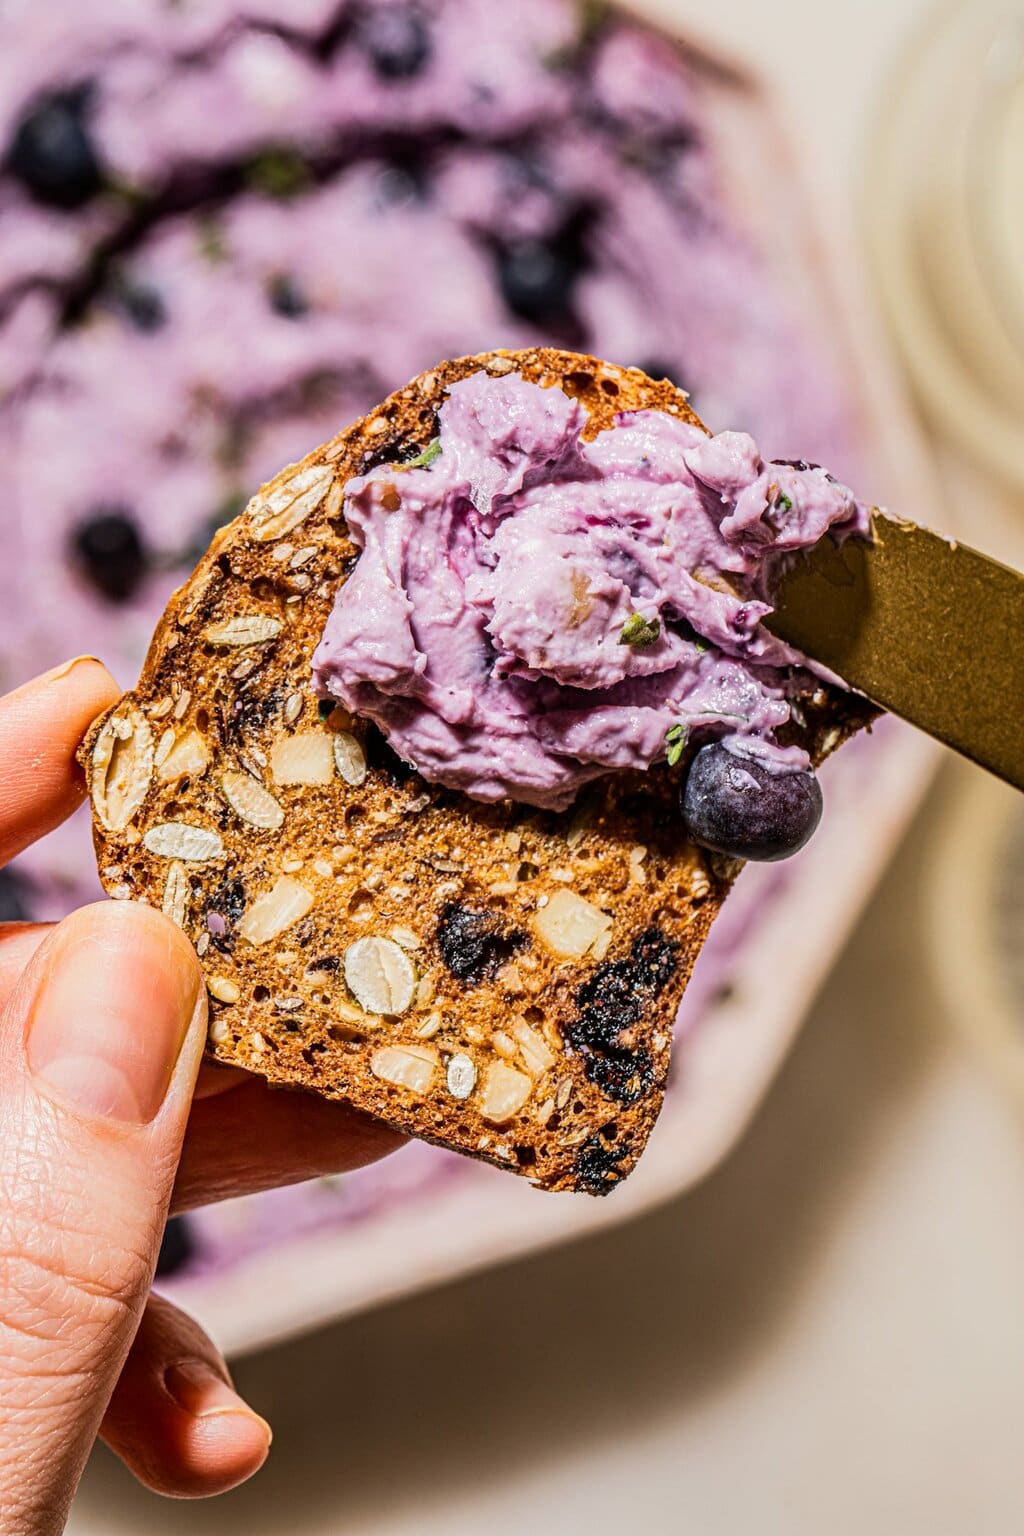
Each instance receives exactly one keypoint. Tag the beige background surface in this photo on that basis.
(826, 1337)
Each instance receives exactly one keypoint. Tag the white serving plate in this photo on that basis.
(427, 1216)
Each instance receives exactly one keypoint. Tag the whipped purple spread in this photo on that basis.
(531, 610)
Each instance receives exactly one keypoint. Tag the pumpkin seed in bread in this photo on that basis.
(496, 978)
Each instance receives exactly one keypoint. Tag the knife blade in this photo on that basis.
(924, 626)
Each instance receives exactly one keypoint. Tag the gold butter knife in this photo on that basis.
(925, 627)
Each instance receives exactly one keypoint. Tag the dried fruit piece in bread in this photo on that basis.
(496, 979)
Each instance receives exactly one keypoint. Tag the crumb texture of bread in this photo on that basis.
(496, 979)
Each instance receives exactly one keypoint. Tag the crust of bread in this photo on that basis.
(583, 1040)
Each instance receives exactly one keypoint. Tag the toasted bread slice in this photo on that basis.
(496, 979)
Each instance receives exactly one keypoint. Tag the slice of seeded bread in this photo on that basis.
(499, 980)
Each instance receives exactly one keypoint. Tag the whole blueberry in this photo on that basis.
(52, 154)
(741, 807)
(537, 280)
(396, 40)
(108, 548)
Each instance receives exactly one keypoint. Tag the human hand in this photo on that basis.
(102, 1027)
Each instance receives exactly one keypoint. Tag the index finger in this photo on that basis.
(41, 725)
(254, 1137)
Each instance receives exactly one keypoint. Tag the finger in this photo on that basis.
(267, 1138)
(99, 1049)
(255, 1137)
(18, 943)
(216, 1078)
(175, 1418)
(41, 726)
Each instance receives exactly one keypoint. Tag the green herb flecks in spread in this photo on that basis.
(640, 631)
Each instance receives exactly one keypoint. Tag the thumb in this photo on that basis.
(99, 1047)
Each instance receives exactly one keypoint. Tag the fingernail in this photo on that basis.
(201, 1392)
(56, 673)
(111, 1012)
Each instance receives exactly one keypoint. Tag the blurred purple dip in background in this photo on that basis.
(227, 229)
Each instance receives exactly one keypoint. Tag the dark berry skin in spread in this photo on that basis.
(396, 39)
(536, 280)
(52, 154)
(737, 806)
(287, 299)
(143, 306)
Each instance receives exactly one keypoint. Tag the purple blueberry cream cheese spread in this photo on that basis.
(531, 610)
